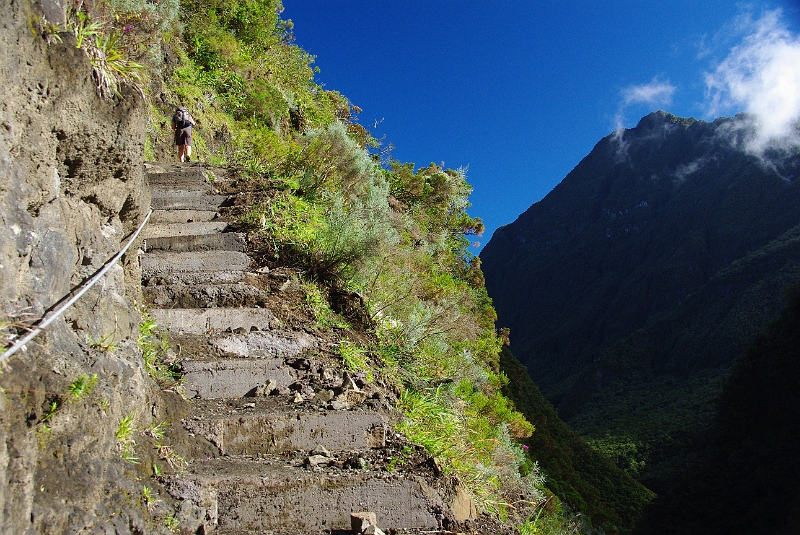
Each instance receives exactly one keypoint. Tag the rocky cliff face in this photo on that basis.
(71, 191)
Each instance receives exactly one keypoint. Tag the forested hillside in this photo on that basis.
(635, 284)
(745, 480)
(586, 478)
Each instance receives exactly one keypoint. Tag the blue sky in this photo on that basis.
(518, 92)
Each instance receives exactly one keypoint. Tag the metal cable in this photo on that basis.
(21, 343)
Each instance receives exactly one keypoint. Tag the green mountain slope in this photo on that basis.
(746, 478)
(632, 287)
(587, 480)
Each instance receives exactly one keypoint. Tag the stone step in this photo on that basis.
(268, 425)
(183, 229)
(207, 320)
(229, 378)
(205, 295)
(183, 216)
(162, 263)
(201, 277)
(191, 188)
(258, 495)
(226, 241)
(194, 201)
(169, 174)
(283, 344)
(274, 343)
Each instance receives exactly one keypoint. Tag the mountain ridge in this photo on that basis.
(589, 279)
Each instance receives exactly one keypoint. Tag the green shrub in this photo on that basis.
(482, 455)
(82, 386)
(355, 358)
(330, 160)
(125, 442)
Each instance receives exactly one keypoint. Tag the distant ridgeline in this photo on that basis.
(635, 284)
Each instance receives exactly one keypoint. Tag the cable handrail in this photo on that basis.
(91, 282)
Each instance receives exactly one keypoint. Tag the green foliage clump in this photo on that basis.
(125, 442)
(316, 302)
(154, 348)
(82, 386)
(335, 214)
(469, 445)
(355, 358)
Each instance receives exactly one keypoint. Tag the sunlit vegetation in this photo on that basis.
(324, 196)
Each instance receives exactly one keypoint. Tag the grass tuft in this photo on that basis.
(125, 441)
(82, 387)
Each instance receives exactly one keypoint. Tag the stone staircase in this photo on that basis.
(301, 442)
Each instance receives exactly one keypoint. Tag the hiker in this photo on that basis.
(182, 123)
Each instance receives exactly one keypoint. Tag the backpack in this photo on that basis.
(182, 118)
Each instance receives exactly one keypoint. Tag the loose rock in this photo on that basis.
(323, 396)
(350, 399)
(320, 450)
(361, 521)
(266, 389)
(317, 460)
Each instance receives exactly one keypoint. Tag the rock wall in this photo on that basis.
(71, 191)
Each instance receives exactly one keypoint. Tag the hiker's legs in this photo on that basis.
(183, 139)
(187, 140)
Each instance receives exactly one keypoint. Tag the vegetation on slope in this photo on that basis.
(325, 198)
(587, 480)
(648, 421)
(745, 480)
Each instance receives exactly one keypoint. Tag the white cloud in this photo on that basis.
(683, 171)
(760, 75)
(655, 93)
(620, 144)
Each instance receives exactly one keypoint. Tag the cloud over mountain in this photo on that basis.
(654, 93)
(760, 75)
